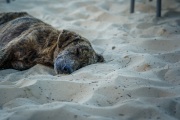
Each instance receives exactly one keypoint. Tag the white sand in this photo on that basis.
(140, 79)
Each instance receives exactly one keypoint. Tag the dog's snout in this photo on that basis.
(63, 66)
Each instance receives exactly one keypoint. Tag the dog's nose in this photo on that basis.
(67, 69)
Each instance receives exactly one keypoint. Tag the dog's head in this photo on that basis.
(73, 52)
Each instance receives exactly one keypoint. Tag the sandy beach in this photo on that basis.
(139, 80)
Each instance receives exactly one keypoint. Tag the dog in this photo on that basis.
(26, 41)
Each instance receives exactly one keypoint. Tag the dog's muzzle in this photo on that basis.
(63, 66)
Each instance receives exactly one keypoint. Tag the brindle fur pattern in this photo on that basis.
(26, 41)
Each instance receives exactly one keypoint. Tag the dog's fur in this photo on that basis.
(26, 41)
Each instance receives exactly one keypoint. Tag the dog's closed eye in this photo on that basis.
(78, 52)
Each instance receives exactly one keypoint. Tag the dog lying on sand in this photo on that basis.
(26, 41)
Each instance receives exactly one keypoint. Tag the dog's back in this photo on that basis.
(23, 36)
(12, 25)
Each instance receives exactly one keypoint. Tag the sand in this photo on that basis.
(140, 79)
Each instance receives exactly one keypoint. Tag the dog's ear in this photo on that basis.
(99, 58)
(66, 37)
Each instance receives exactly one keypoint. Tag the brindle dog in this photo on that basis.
(26, 41)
